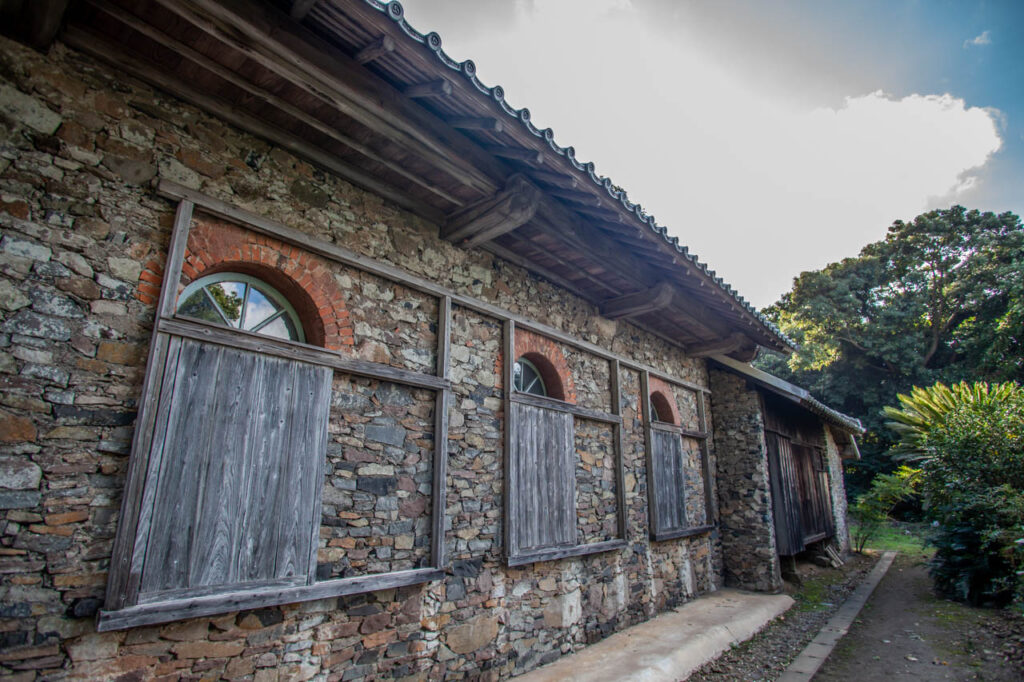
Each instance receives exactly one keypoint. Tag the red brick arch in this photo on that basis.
(549, 359)
(664, 400)
(303, 278)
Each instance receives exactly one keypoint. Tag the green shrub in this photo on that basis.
(873, 508)
(969, 441)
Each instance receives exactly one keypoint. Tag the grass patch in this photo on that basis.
(908, 538)
(811, 595)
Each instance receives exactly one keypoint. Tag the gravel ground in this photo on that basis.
(766, 655)
(974, 634)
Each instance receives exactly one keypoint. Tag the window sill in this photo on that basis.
(565, 552)
(681, 533)
(240, 600)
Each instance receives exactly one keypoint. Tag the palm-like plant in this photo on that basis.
(925, 409)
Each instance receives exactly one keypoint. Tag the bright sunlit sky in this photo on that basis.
(772, 137)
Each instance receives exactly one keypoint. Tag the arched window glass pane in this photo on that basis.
(655, 417)
(241, 302)
(526, 378)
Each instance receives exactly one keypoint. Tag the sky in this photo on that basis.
(772, 137)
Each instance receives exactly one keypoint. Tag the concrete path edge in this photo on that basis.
(809, 661)
(671, 646)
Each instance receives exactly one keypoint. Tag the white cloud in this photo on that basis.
(985, 38)
(759, 184)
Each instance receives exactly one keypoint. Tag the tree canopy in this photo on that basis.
(941, 298)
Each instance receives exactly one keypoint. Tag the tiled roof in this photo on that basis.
(467, 70)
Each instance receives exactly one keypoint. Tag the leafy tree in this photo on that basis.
(228, 301)
(941, 298)
(969, 440)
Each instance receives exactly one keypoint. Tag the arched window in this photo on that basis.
(661, 409)
(241, 302)
(526, 378)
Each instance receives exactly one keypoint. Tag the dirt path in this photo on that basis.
(906, 633)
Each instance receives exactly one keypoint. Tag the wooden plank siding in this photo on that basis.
(799, 481)
(785, 495)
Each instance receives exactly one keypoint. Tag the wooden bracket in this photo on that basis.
(378, 48)
(639, 303)
(35, 22)
(507, 210)
(490, 125)
(300, 8)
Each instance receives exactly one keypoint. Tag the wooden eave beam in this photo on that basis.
(134, 65)
(237, 81)
(277, 43)
(650, 300)
(720, 347)
(505, 211)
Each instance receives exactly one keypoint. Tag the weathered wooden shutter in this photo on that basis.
(236, 468)
(544, 469)
(670, 479)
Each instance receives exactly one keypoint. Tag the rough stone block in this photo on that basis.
(19, 474)
(472, 635)
(28, 111)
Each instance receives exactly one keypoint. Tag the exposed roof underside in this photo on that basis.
(794, 393)
(351, 87)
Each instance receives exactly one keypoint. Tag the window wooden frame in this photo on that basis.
(126, 606)
(516, 505)
(656, 479)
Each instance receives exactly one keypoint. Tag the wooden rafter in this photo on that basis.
(134, 65)
(286, 107)
(721, 347)
(435, 88)
(275, 42)
(491, 125)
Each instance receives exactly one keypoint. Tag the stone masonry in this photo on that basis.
(83, 246)
(744, 495)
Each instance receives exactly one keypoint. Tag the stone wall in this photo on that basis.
(81, 260)
(744, 496)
